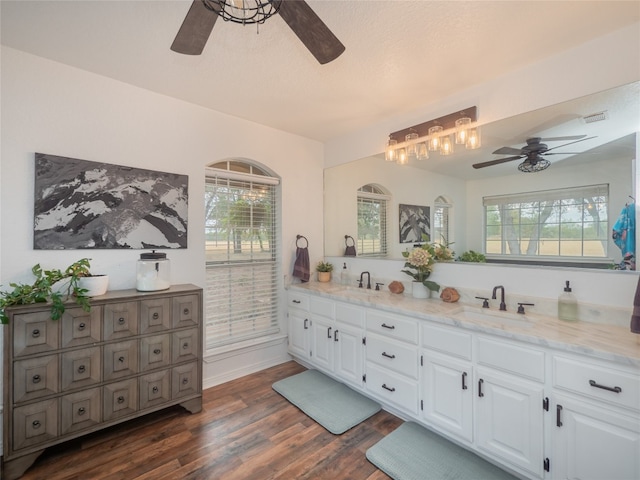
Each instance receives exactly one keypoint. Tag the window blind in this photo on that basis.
(241, 257)
(372, 223)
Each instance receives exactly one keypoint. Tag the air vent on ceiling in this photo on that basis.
(595, 117)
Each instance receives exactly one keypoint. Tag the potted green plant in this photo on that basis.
(54, 286)
(324, 270)
(471, 256)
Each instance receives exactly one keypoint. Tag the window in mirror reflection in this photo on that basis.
(569, 222)
(441, 213)
(373, 201)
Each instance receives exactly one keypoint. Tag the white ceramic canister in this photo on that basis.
(153, 272)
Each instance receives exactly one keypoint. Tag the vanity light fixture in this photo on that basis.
(437, 135)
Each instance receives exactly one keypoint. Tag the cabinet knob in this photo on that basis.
(155, 316)
(185, 346)
(185, 381)
(81, 411)
(121, 359)
(121, 320)
(36, 379)
(36, 424)
(82, 326)
(81, 369)
(154, 389)
(120, 399)
(157, 351)
(185, 311)
(35, 333)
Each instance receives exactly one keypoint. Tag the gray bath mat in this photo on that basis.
(330, 403)
(412, 452)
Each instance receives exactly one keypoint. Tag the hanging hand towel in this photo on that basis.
(350, 251)
(635, 317)
(301, 266)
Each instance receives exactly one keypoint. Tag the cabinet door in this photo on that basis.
(322, 343)
(299, 330)
(447, 394)
(509, 420)
(593, 443)
(348, 353)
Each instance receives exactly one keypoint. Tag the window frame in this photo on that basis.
(375, 195)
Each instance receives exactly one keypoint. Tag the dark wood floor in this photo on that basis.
(244, 431)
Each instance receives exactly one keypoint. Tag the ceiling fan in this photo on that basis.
(297, 14)
(533, 153)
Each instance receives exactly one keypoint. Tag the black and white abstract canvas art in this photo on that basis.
(82, 204)
(414, 221)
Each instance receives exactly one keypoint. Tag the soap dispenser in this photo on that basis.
(567, 305)
(344, 275)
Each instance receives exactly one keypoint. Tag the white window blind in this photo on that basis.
(372, 221)
(441, 213)
(568, 222)
(241, 256)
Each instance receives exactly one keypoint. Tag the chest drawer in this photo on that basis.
(34, 333)
(393, 388)
(446, 340)
(512, 358)
(320, 306)
(393, 326)
(35, 377)
(597, 381)
(394, 355)
(80, 327)
(349, 314)
(298, 300)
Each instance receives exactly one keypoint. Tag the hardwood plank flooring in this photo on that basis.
(245, 431)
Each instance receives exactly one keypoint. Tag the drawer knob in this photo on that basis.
(35, 333)
(82, 326)
(593, 383)
(120, 399)
(36, 424)
(390, 327)
(121, 320)
(154, 389)
(185, 311)
(391, 389)
(185, 380)
(81, 411)
(36, 379)
(391, 356)
(185, 345)
(121, 359)
(81, 369)
(156, 351)
(155, 316)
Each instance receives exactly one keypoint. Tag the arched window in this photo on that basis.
(441, 217)
(242, 260)
(372, 220)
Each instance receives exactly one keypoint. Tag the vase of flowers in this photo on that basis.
(419, 265)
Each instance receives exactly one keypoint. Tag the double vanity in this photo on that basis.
(540, 397)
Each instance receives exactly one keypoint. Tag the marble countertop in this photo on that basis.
(606, 342)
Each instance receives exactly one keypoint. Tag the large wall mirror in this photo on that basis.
(607, 158)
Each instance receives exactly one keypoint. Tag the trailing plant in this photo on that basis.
(324, 267)
(42, 289)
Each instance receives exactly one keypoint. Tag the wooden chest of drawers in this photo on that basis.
(132, 354)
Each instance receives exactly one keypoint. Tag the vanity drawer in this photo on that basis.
(447, 341)
(320, 306)
(597, 381)
(393, 388)
(512, 358)
(393, 355)
(349, 314)
(394, 326)
(298, 300)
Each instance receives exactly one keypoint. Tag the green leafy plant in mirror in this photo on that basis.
(42, 289)
(324, 267)
(471, 256)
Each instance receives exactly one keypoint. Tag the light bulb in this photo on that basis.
(446, 145)
(402, 159)
(434, 139)
(462, 125)
(412, 149)
(423, 152)
(390, 152)
(473, 139)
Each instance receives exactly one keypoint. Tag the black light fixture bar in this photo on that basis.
(446, 122)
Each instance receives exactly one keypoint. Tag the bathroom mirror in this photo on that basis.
(610, 117)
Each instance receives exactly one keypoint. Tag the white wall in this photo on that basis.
(52, 108)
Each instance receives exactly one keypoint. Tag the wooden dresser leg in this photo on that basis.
(14, 469)
(194, 405)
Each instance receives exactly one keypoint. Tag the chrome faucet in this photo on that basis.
(503, 306)
(368, 280)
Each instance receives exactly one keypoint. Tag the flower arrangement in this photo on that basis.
(421, 259)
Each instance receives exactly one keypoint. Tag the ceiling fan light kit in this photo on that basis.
(244, 11)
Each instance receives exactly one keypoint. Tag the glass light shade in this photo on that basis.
(402, 158)
(446, 145)
(462, 126)
(423, 152)
(434, 139)
(412, 149)
(473, 139)
(390, 153)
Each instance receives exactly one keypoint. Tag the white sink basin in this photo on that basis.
(494, 317)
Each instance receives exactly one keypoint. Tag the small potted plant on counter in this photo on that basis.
(324, 270)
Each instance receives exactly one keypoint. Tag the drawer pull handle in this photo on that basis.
(36, 424)
(82, 326)
(306, 324)
(185, 345)
(185, 381)
(335, 336)
(81, 411)
(558, 415)
(329, 332)
(480, 382)
(121, 320)
(81, 369)
(464, 380)
(296, 301)
(36, 379)
(121, 359)
(154, 389)
(185, 311)
(155, 316)
(35, 333)
(120, 399)
(604, 387)
(391, 389)
(157, 351)
(385, 354)
(390, 327)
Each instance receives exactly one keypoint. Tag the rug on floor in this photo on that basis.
(411, 452)
(330, 403)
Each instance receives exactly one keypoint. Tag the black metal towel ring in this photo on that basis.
(298, 237)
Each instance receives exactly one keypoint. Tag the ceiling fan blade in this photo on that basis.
(312, 31)
(195, 29)
(508, 151)
(560, 139)
(570, 143)
(497, 161)
(569, 153)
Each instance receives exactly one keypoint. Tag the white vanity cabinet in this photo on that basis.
(509, 407)
(596, 427)
(299, 324)
(447, 381)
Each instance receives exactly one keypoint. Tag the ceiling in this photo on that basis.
(399, 54)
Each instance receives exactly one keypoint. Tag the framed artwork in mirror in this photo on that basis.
(414, 222)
